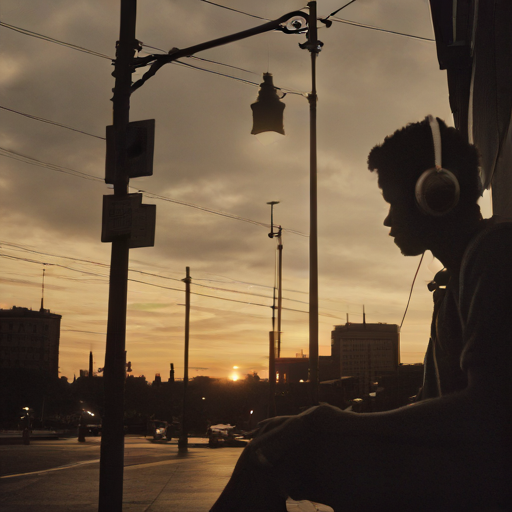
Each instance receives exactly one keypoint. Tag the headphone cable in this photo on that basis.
(410, 293)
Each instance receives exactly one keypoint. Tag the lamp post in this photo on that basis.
(274, 336)
(278, 234)
(120, 213)
(313, 45)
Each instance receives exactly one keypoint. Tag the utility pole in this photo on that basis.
(183, 440)
(112, 439)
(314, 46)
(280, 289)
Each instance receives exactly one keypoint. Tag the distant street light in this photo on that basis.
(277, 234)
(275, 336)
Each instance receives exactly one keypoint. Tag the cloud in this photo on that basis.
(369, 84)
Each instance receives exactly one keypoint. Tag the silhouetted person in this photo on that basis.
(450, 451)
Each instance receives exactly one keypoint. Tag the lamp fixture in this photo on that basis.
(268, 109)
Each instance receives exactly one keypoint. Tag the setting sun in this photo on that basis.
(234, 376)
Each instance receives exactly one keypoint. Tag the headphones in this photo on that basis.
(437, 190)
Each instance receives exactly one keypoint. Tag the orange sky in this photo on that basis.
(369, 84)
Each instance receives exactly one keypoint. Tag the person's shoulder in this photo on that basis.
(495, 233)
(491, 245)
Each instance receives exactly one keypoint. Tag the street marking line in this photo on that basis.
(75, 464)
(150, 464)
(67, 466)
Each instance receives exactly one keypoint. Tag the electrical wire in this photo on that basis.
(78, 174)
(152, 195)
(195, 57)
(339, 20)
(235, 10)
(410, 293)
(338, 10)
(248, 82)
(46, 165)
(52, 40)
(105, 277)
(243, 80)
(97, 54)
(141, 272)
(222, 64)
(371, 27)
(54, 123)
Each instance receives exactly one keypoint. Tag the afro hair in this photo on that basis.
(405, 155)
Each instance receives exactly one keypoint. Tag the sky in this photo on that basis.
(212, 177)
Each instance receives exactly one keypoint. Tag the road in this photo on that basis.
(51, 454)
(61, 475)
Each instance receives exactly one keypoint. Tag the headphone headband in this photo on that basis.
(436, 137)
(434, 183)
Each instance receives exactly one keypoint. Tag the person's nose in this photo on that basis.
(387, 220)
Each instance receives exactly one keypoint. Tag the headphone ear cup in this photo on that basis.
(437, 192)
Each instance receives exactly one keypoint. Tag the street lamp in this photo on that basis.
(267, 104)
(268, 109)
(123, 214)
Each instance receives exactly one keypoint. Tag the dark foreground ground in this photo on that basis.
(63, 475)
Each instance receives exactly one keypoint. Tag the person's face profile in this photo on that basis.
(402, 219)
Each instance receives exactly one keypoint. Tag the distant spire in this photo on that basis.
(171, 376)
(347, 318)
(364, 316)
(42, 292)
(90, 365)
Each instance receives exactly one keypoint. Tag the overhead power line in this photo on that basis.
(28, 260)
(341, 8)
(43, 120)
(49, 39)
(152, 195)
(105, 276)
(249, 82)
(235, 10)
(106, 266)
(97, 54)
(195, 57)
(78, 174)
(331, 16)
(371, 27)
(52, 167)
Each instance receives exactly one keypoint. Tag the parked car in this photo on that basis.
(224, 435)
(157, 429)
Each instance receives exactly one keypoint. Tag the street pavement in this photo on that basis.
(63, 475)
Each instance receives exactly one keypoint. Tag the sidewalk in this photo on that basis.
(188, 483)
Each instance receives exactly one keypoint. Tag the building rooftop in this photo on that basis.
(380, 327)
(20, 312)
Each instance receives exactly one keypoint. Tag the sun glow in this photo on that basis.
(234, 376)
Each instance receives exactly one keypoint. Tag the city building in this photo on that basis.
(361, 351)
(29, 340)
(365, 351)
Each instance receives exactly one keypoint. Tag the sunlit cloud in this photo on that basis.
(369, 84)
